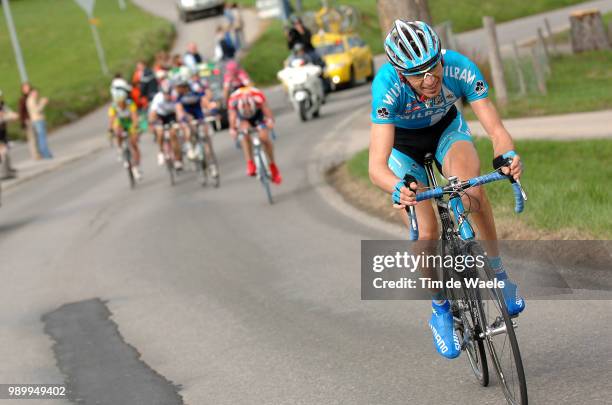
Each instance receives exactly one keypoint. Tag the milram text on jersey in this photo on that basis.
(396, 103)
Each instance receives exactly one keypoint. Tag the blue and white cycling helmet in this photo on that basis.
(412, 47)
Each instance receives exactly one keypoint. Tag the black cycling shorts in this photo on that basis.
(255, 120)
(417, 142)
(167, 119)
(3, 134)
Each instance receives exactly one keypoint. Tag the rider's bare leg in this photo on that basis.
(246, 141)
(428, 236)
(462, 161)
(135, 148)
(159, 134)
(117, 129)
(176, 146)
(267, 143)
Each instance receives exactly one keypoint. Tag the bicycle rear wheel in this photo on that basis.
(466, 312)
(500, 336)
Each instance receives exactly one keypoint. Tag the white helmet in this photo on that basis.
(119, 95)
(412, 47)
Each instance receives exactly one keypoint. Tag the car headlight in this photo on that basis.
(335, 66)
(188, 3)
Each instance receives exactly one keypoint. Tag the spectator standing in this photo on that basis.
(224, 49)
(26, 122)
(229, 15)
(192, 57)
(6, 115)
(238, 27)
(148, 83)
(36, 107)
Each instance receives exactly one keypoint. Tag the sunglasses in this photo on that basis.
(421, 75)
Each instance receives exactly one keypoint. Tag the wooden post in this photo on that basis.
(519, 70)
(539, 71)
(497, 68)
(452, 39)
(587, 31)
(542, 42)
(442, 34)
(551, 38)
(543, 52)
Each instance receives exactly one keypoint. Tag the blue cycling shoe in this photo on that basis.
(442, 326)
(514, 302)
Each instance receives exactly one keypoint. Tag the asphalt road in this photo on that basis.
(233, 301)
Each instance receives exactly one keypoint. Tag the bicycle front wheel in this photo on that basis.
(264, 176)
(127, 158)
(499, 335)
(212, 165)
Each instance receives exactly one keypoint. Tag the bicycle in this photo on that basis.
(261, 161)
(168, 152)
(475, 321)
(126, 154)
(206, 160)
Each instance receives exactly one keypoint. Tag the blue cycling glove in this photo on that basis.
(397, 191)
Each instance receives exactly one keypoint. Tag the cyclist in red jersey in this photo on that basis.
(248, 108)
(234, 78)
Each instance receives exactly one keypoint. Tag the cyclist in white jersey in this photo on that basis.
(162, 111)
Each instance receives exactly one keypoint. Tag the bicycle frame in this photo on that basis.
(261, 160)
(455, 188)
(464, 228)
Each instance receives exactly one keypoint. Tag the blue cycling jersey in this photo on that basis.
(191, 102)
(394, 102)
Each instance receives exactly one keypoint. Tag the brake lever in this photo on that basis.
(523, 193)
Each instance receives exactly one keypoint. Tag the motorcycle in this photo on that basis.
(304, 87)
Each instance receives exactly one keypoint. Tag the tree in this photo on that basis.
(423, 11)
(390, 10)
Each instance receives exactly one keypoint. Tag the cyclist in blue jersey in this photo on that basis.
(413, 114)
(191, 104)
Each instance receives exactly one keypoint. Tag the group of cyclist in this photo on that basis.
(413, 114)
(178, 101)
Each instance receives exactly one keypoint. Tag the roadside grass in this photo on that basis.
(578, 83)
(566, 183)
(265, 57)
(465, 17)
(61, 58)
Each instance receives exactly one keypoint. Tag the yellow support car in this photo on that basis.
(347, 57)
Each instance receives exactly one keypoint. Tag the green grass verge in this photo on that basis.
(578, 83)
(464, 17)
(61, 58)
(265, 57)
(566, 183)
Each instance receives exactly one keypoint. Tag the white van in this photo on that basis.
(190, 9)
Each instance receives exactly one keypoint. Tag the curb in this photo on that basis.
(57, 164)
(332, 151)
